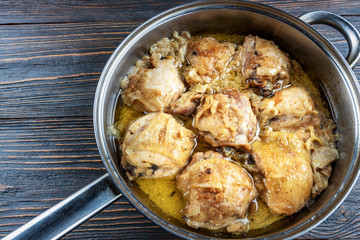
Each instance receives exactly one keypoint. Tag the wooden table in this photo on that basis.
(51, 55)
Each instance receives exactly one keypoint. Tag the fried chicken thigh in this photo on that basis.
(264, 65)
(285, 164)
(208, 58)
(226, 119)
(289, 109)
(156, 145)
(218, 192)
(154, 89)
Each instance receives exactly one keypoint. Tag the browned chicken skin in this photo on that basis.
(264, 64)
(156, 145)
(285, 163)
(226, 119)
(289, 109)
(218, 192)
(207, 58)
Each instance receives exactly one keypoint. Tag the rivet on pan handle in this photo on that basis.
(350, 33)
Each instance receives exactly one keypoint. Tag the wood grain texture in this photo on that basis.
(51, 57)
(24, 11)
(51, 70)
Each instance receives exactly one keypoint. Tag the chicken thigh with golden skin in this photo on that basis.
(289, 109)
(207, 58)
(264, 65)
(226, 119)
(156, 145)
(218, 192)
(154, 89)
(285, 164)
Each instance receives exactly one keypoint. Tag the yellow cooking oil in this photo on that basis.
(164, 193)
(223, 37)
(262, 216)
(124, 116)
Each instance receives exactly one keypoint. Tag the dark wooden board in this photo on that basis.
(51, 70)
(51, 57)
(25, 11)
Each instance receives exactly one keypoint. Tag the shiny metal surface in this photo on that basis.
(350, 33)
(325, 65)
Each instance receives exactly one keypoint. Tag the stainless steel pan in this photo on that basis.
(325, 65)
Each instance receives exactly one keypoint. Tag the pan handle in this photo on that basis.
(71, 212)
(350, 33)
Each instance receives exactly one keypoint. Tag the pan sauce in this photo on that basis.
(164, 193)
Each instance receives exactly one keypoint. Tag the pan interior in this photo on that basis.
(311, 52)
